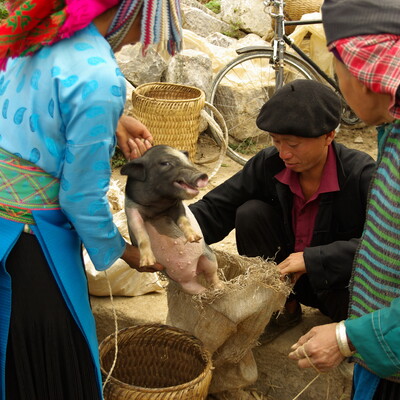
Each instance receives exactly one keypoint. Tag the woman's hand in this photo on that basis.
(133, 137)
(131, 256)
(318, 349)
(293, 266)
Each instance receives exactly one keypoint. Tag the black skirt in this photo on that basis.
(47, 355)
(387, 390)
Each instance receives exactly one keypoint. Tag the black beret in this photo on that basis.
(301, 108)
(346, 18)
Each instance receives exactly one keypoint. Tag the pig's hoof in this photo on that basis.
(193, 288)
(218, 285)
(147, 262)
(194, 238)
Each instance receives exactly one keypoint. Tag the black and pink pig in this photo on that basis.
(160, 224)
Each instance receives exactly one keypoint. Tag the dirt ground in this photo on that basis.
(279, 378)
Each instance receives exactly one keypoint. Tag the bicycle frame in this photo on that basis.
(280, 39)
(279, 45)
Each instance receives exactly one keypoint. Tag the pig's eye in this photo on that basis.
(165, 163)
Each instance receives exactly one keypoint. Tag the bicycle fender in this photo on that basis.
(248, 49)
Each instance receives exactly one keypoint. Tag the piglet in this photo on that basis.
(163, 228)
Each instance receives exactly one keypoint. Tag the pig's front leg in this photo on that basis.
(190, 234)
(138, 229)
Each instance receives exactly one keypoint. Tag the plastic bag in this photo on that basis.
(318, 51)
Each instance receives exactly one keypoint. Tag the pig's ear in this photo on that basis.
(186, 153)
(134, 170)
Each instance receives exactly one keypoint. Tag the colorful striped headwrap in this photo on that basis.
(375, 61)
(161, 24)
(33, 24)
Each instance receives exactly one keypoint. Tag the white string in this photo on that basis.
(315, 368)
(308, 359)
(309, 384)
(115, 334)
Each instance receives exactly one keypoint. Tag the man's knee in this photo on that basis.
(259, 230)
(254, 211)
(332, 303)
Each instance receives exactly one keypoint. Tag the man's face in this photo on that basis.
(302, 154)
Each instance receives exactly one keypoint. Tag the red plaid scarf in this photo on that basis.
(375, 61)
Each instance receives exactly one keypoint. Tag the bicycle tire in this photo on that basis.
(254, 75)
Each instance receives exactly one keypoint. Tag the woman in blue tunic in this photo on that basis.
(62, 96)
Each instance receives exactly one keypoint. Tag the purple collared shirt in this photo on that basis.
(304, 212)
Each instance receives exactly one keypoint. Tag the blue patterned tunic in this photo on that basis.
(59, 110)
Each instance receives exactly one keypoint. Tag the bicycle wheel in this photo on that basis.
(241, 88)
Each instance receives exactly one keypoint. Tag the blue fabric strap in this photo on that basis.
(365, 383)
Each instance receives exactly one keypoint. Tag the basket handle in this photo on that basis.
(217, 123)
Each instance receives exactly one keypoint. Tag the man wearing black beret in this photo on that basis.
(301, 202)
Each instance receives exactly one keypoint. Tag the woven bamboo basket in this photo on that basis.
(295, 9)
(155, 362)
(171, 112)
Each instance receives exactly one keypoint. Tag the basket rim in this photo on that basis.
(137, 92)
(123, 385)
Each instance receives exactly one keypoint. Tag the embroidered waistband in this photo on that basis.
(25, 187)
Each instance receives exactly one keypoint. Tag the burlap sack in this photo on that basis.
(230, 321)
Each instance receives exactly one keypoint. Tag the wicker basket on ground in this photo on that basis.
(155, 362)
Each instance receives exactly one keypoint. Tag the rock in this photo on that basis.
(359, 139)
(221, 40)
(138, 68)
(196, 4)
(190, 67)
(202, 23)
(251, 40)
(247, 15)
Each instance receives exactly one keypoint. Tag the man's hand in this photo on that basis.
(318, 349)
(133, 137)
(293, 266)
(131, 256)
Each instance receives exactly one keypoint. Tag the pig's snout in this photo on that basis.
(202, 181)
(192, 188)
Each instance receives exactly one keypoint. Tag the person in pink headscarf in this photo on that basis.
(62, 97)
(364, 36)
